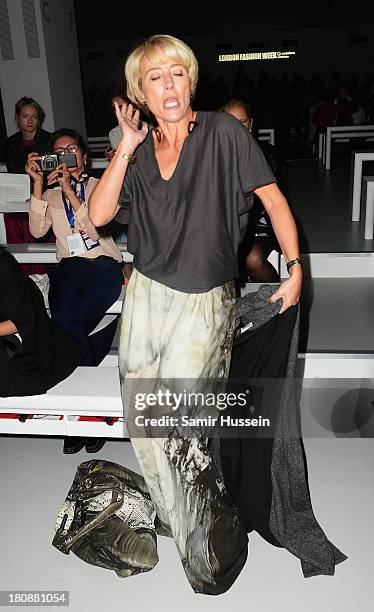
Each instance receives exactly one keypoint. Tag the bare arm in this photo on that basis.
(103, 201)
(281, 219)
(285, 230)
(7, 328)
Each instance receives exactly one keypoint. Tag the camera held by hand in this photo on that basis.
(50, 161)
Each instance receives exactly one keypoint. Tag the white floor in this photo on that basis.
(35, 477)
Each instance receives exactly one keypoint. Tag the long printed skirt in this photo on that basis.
(169, 335)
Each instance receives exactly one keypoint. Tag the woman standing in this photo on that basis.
(88, 278)
(186, 186)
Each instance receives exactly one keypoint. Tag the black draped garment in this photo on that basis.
(266, 475)
(47, 354)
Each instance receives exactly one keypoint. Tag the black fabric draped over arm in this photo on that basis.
(49, 354)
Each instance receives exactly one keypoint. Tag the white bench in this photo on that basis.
(346, 132)
(358, 158)
(87, 392)
(46, 252)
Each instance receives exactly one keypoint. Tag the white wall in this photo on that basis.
(63, 64)
(23, 76)
(54, 78)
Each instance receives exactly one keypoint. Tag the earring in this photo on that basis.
(191, 96)
(145, 103)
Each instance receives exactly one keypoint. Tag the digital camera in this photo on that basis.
(50, 161)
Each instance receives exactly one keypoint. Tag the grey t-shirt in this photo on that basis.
(184, 232)
(115, 136)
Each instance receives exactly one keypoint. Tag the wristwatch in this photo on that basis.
(292, 262)
(129, 157)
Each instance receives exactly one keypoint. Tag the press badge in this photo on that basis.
(75, 244)
(90, 244)
(78, 241)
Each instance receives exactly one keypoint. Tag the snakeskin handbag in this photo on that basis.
(106, 519)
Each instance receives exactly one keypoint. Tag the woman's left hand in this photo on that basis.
(289, 290)
(61, 175)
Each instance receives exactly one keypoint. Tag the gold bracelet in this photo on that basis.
(129, 157)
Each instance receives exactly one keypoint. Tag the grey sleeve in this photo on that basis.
(124, 201)
(115, 136)
(253, 168)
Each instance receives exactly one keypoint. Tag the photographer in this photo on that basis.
(88, 278)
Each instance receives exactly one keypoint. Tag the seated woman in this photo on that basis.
(30, 136)
(259, 240)
(35, 352)
(88, 278)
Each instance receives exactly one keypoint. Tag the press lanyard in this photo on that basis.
(68, 207)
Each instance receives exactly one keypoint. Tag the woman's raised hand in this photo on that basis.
(133, 131)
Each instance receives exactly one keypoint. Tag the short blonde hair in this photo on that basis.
(173, 48)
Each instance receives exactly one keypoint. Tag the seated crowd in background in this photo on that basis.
(281, 103)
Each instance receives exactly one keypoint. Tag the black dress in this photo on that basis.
(265, 469)
(47, 353)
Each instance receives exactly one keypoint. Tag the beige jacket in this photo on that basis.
(50, 212)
